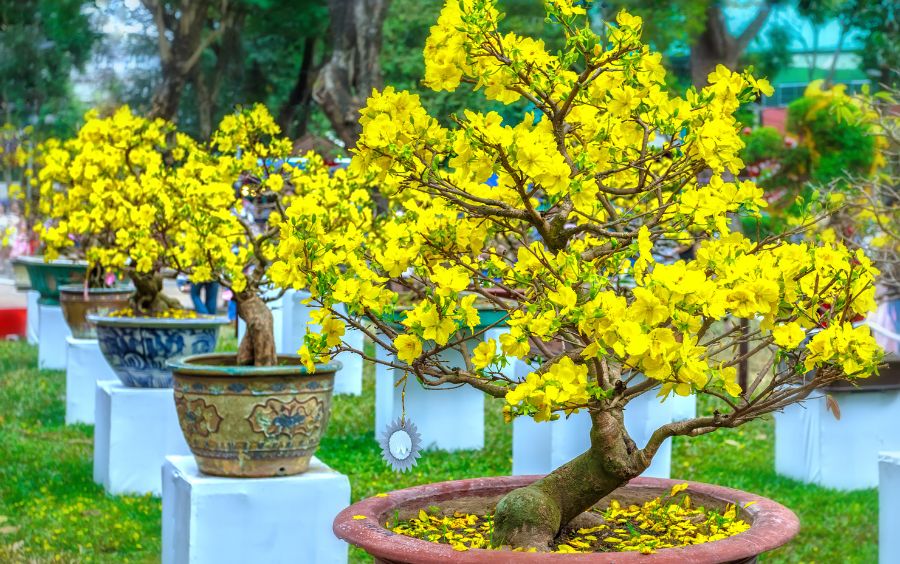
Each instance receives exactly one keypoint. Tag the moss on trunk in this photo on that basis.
(257, 348)
(532, 516)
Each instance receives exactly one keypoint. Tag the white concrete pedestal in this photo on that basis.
(290, 317)
(813, 447)
(134, 430)
(33, 316)
(889, 507)
(85, 366)
(52, 334)
(540, 448)
(208, 519)
(448, 419)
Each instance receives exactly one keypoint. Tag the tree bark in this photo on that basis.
(181, 42)
(257, 348)
(532, 516)
(353, 70)
(717, 46)
(148, 298)
(301, 94)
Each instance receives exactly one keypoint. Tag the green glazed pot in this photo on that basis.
(252, 421)
(20, 275)
(47, 277)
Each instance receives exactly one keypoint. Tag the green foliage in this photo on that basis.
(43, 41)
(840, 141)
(762, 144)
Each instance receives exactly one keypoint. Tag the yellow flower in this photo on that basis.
(484, 354)
(409, 348)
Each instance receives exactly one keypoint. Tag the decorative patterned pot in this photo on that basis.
(137, 348)
(252, 421)
(47, 277)
(20, 275)
(771, 524)
(76, 306)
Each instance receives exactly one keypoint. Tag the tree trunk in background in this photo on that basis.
(300, 96)
(181, 43)
(353, 70)
(717, 46)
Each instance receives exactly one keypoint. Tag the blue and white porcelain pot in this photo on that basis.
(137, 348)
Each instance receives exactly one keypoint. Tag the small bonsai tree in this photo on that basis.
(113, 195)
(238, 192)
(601, 169)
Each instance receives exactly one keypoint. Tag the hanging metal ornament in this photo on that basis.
(400, 445)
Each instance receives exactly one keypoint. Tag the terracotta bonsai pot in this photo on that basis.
(47, 277)
(20, 275)
(137, 348)
(76, 305)
(772, 524)
(252, 421)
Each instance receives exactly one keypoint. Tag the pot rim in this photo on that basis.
(191, 365)
(773, 526)
(158, 322)
(29, 260)
(79, 289)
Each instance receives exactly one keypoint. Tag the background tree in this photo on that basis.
(41, 43)
(353, 68)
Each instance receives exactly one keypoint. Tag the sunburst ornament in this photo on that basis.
(400, 445)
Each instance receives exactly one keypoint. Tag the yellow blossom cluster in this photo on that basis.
(564, 211)
(663, 522)
(111, 191)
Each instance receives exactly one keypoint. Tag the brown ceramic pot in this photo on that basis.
(76, 305)
(252, 421)
(771, 524)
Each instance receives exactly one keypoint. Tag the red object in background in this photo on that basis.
(13, 322)
(775, 117)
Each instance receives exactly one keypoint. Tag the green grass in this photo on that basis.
(51, 511)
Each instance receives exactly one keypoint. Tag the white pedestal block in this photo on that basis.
(134, 430)
(889, 507)
(32, 316)
(448, 419)
(85, 366)
(813, 447)
(208, 519)
(290, 317)
(540, 448)
(52, 334)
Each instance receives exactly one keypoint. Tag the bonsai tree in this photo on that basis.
(238, 191)
(113, 195)
(600, 171)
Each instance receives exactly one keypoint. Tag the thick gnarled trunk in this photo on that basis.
(533, 516)
(148, 298)
(257, 348)
(717, 46)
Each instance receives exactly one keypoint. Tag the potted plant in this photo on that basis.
(253, 413)
(113, 193)
(603, 168)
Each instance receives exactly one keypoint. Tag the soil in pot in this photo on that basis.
(668, 521)
(77, 304)
(252, 421)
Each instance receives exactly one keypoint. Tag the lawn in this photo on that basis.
(51, 511)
